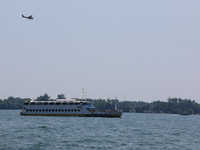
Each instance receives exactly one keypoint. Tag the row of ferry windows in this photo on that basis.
(51, 103)
(52, 110)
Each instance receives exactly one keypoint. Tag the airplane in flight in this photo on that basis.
(30, 17)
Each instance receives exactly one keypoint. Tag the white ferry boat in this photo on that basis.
(63, 107)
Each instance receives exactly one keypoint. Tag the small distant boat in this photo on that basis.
(185, 113)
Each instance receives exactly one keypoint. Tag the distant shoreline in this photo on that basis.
(129, 113)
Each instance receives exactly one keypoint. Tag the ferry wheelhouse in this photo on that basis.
(63, 107)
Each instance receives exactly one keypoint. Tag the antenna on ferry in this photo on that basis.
(85, 96)
(83, 93)
(116, 102)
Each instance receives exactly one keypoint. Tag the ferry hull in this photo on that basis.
(109, 116)
(77, 115)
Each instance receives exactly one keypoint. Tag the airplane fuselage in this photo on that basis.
(30, 17)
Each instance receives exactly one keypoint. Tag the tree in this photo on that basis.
(61, 96)
(127, 109)
(191, 111)
(45, 97)
(138, 109)
(100, 104)
(3, 105)
(108, 104)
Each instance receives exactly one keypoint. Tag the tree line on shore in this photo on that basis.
(171, 106)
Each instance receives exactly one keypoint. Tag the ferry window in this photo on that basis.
(72, 110)
(75, 110)
(52, 110)
(55, 109)
(30, 110)
(85, 103)
(62, 109)
(78, 110)
(49, 110)
(32, 103)
(27, 110)
(26, 103)
(70, 103)
(45, 103)
(77, 103)
(68, 110)
(46, 110)
(51, 103)
(64, 103)
(37, 110)
(43, 110)
(57, 103)
(59, 110)
(33, 109)
(38, 103)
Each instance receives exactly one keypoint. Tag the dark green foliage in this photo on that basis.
(172, 106)
(177, 106)
(138, 109)
(12, 103)
(100, 104)
(61, 96)
(45, 97)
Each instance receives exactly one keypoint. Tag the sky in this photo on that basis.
(133, 50)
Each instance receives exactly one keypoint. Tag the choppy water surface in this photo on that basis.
(132, 131)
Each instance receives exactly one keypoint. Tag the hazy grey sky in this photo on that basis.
(147, 49)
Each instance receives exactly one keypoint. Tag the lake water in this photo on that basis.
(132, 131)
